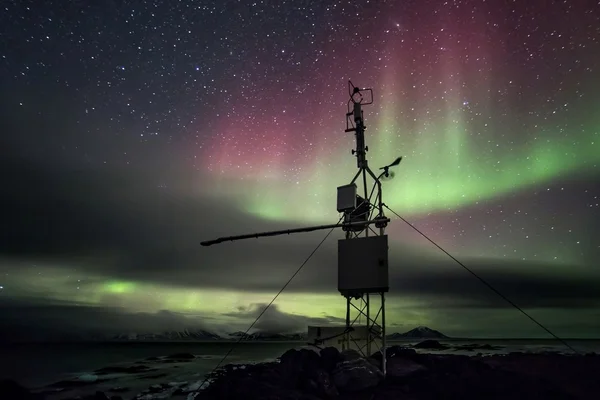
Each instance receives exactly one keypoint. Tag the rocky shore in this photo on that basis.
(308, 375)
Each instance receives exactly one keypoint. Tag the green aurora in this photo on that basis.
(440, 172)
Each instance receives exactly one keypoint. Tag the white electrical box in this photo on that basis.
(346, 198)
(363, 265)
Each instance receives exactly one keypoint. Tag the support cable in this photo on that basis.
(268, 305)
(484, 282)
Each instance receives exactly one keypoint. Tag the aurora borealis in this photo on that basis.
(132, 130)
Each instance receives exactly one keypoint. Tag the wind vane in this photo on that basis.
(363, 254)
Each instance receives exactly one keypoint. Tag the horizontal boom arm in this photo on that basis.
(289, 231)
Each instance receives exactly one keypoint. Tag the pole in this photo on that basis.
(368, 327)
(366, 190)
(347, 336)
(383, 349)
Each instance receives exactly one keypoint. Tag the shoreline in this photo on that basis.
(412, 373)
(234, 341)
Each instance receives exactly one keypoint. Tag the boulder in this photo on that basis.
(430, 344)
(119, 369)
(410, 375)
(301, 359)
(356, 375)
(297, 365)
(181, 356)
(119, 389)
(97, 396)
(350, 355)
(330, 356)
(10, 389)
(399, 367)
(395, 351)
(319, 383)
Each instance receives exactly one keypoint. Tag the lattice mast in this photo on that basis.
(363, 254)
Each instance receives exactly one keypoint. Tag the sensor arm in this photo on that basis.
(288, 231)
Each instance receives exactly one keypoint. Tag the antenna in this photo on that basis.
(363, 253)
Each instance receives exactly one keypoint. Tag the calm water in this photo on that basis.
(38, 365)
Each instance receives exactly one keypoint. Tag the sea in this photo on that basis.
(36, 366)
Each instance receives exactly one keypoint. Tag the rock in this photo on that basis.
(119, 369)
(374, 362)
(177, 384)
(330, 356)
(181, 356)
(296, 365)
(398, 367)
(318, 383)
(88, 378)
(302, 357)
(154, 376)
(87, 381)
(305, 370)
(193, 387)
(156, 392)
(96, 396)
(356, 375)
(396, 351)
(430, 344)
(349, 355)
(155, 388)
(488, 347)
(10, 389)
(325, 386)
(303, 375)
(119, 389)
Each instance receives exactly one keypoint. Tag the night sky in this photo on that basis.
(133, 130)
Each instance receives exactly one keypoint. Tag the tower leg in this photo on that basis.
(364, 174)
(383, 344)
(369, 325)
(346, 344)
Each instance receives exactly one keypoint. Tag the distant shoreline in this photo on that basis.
(245, 342)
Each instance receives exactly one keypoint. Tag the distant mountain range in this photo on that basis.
(170, 335)
(203, 335)
(268, 336)
(420, 332)
(199, 335)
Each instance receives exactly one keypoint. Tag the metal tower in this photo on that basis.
(363, 254)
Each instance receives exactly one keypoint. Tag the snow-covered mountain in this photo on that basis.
(186, 334)
(202, 335)
(267, 336)
(420, 332)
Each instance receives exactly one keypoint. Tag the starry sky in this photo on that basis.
(133, 130)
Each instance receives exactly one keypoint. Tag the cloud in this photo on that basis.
(529, 285)
(33, 320)
(499, 323)
(276, 321)
(128, 228)
(30, 319)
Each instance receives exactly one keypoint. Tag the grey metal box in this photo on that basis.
(346, 197)
(363, 265)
